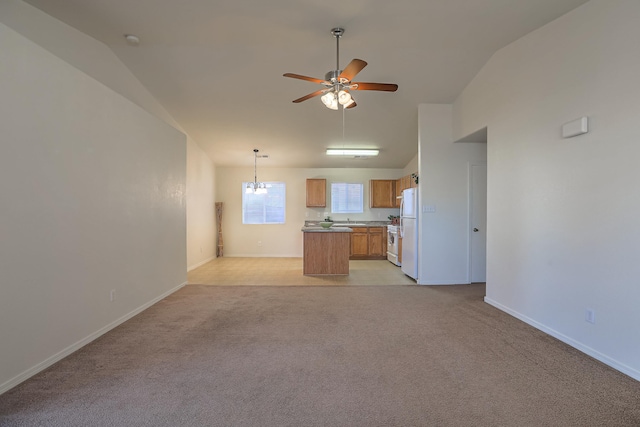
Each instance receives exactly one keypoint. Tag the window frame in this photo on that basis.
(347, 202)
(265, 198)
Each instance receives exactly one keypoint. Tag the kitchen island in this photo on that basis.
(326, 250)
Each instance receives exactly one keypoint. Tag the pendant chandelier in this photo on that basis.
(256, 187)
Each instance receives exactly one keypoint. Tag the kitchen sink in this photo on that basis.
(352, 224)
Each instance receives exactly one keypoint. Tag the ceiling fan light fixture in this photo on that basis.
(329, 100)
(344, 97)
(352, 152)
(346, 105)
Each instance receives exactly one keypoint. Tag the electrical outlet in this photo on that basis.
(112, 295)
(590, 315)
(259, 242)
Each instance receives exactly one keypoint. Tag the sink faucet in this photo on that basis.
(348, 220)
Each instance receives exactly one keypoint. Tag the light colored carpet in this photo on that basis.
(325, 356)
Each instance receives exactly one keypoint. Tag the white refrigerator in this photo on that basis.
(409, 232)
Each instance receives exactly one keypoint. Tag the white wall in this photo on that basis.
(286, 240)
(201, 226)
(412, 166)
(83, 52)
(93, 199)
(97, 60)
(563, 233)
(444, 183)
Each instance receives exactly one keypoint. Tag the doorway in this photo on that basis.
(478, 223)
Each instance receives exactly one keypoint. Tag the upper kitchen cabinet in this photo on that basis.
(316, 193)
(402, 184)
(406, 182)
(382, 193)
(399, 189)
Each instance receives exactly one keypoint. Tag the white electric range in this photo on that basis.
(392, 244)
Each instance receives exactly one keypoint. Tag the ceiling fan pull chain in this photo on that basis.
(343, 125)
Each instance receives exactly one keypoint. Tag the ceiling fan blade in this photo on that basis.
(387, 87)
(311, 95)
(310, 79)
(354, 67)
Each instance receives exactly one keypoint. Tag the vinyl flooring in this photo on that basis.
(231, 271)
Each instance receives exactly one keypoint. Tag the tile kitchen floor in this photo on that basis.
(233, 271)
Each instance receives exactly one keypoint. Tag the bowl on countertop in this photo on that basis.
(326, 224)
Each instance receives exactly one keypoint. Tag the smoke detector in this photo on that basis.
(132, 40)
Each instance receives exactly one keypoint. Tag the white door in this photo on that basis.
(478, 204)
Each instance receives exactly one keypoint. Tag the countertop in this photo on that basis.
(366, 223)
(318, 229)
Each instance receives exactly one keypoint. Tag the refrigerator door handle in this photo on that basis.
(401, 228)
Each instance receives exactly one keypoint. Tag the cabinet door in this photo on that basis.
(316, 193)
(382, 193)
(398, 191)
(359, 243)
(377, 242)
(406, 182)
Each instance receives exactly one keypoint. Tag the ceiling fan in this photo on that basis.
(338, 83)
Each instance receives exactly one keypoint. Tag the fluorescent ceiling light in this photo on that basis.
(351, 152)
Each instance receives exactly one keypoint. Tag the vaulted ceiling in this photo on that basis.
(217, 66)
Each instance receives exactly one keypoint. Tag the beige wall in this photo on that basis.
(94, 200)
(412, 166)
(201, 227)
(97, 60)
(286, 240)
(563, 233)
(444, 183)
(83, 52)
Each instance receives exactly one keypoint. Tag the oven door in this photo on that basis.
(392, 245)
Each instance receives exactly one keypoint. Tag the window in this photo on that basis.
(264, 208)
(346, 198)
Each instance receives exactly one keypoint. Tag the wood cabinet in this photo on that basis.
(399, 189)
(359, 243)
(402, 184)
(325, 253)
(382, 193)
(377, 242)
(368, 243)
(406, 182)
(316, 193)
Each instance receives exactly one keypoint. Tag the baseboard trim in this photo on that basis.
(6, 386)
(193, 267)
(627, 370)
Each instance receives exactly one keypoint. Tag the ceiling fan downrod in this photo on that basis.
(337, 33)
